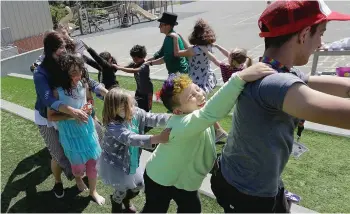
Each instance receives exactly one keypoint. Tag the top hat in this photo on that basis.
(168, 18)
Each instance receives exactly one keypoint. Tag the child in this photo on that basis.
(71, 48)
(107, 62)
(79, 141)
(176, 170)
(144, 86)
(237, 61)
(119, 163)
(200, 70)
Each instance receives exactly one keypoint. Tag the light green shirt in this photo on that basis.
(190, 154)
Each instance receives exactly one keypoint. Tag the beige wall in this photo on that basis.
(26, 18)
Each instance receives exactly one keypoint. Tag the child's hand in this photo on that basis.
(163, 137)
(174, 35)
(256, 72)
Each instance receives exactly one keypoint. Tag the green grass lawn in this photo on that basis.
(26, 178)
(321, 176)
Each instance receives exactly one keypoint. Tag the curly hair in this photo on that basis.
(202, 34)
(172, 87)
(70, 45)
(138, 51)
(66, 62)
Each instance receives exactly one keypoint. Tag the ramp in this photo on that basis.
(143, 12)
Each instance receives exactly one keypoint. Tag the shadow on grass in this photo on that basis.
(36, 169)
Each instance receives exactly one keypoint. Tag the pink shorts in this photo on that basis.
(90, 166)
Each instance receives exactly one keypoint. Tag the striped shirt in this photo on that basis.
(227, 71)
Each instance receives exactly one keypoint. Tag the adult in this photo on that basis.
(44, 79)
(247, 177)
(166, 54)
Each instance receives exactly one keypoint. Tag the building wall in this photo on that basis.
(27, 20)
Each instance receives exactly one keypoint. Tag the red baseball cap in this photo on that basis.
(284, 17)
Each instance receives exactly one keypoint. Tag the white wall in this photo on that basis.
(26, 18)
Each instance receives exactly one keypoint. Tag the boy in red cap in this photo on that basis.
(247, 176)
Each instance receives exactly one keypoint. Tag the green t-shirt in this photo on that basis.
(173, 64)
(190, 154)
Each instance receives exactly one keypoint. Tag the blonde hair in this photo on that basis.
(172, 87)
(181, 83)
(238, 56)
(117, 106)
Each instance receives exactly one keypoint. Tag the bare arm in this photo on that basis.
(337, 86)
(188, 52)
(222, 50)
(304, 102)
(128, 70)
(214, 59)
(186, 43)
(155, 62)
(53, 115)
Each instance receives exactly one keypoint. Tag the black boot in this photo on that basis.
(116, 208)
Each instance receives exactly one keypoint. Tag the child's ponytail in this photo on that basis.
(248, 62)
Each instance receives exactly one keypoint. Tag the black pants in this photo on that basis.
(144, 101)
(158, 198)
(234, 201)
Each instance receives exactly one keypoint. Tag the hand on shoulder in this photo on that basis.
(255, 72)
(174, 35)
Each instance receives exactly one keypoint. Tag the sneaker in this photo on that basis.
(220, 134)
(58, 190)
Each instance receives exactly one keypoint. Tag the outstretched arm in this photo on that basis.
(153, 119)
(214, 59)
(91, 62)
(186, 43)
(180, 53)
(219, 105)
(123, 135)
(304, 102)
(155, 62)
(222, 50)
(127, 70)
(102, 62)
(337, 86)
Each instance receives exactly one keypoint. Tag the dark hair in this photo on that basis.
(277, 42)
(52, 42)
(106, 56)
(66, 62)
(70, 45)
(202, 34)
(138, 51)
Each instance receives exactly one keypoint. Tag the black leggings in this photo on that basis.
(158, 198)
